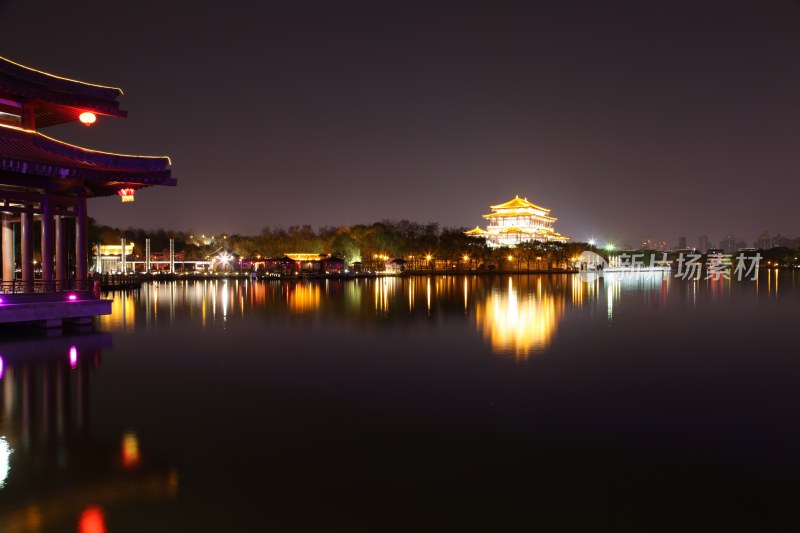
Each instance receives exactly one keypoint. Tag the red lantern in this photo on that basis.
(127, 195)
(87, 118)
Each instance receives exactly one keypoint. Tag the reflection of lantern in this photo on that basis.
(130, 450)
(87, 118)
(92, 520)
(126, 194)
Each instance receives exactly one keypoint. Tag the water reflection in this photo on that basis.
(52, 468)
(304, 296)
(517, 315)
(517, 322)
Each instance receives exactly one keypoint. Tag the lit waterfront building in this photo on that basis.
(518, 221)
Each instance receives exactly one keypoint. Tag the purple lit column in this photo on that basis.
(81, 241)
(8, 248)
(26, 248)
(61, 252)
(48, 241)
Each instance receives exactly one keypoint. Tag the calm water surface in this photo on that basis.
(465, 403)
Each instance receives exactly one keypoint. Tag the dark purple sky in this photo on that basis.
(629, 119)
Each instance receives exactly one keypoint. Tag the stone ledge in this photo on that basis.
(49, 310)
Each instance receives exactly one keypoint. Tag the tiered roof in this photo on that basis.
(31, 160)
(518, 207)
(56, 99)
(518, 203)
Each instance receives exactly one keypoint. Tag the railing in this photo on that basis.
(118, 281)
(44, 287)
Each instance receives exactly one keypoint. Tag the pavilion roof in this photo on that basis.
(57, 99)
(519, 203)
(518, 212)
(32, 160)
(476, 231)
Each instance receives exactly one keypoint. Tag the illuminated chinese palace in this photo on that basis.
(518, 221)
(45, 183)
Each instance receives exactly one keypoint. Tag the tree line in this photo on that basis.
(362, 242)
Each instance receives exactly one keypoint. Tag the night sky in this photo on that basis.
(629, 119)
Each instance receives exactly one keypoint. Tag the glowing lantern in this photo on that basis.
(88, 118)
(127, 195)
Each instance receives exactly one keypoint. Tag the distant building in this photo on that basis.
(681, 243)
(779, 241)
(728, 244)
(518, 221)
(225, 260)
(108, 257)
(764, 242)
(300, 262)
(654, 245)
(703, 244)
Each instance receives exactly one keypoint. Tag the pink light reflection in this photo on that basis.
(72, 297)
(73, 356)
(1, 367)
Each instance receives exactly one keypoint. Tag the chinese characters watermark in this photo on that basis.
(687, 266)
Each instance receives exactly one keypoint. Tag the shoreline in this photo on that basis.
(134, 281)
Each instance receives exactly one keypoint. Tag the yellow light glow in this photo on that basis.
(88, 118)
(305, 298)
(510, 257)
(428, 257)
(518, 323)
(130, 450)
(465, 258)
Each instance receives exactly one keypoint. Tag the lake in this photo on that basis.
(492, 403)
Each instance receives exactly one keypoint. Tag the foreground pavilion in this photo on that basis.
(46, 181)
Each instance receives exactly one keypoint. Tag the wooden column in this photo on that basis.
(26, 248)
(61, 252)
(48, 240)
(81, 241)
(8, 248)
(124, 257)
(29, 117)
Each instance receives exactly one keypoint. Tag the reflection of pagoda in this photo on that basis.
(519, 321)
(518, 221)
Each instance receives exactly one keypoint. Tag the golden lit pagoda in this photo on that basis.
(518, 221)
